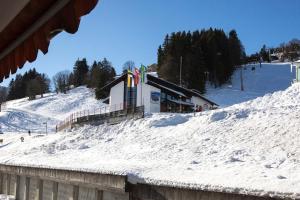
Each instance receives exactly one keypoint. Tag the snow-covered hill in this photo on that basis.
(22, 115)
(271, 77)
(252, 147)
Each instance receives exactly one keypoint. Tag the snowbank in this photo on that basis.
(252, 147)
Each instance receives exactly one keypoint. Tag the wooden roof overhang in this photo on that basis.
(27, 26)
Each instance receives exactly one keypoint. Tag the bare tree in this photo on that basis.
(61, 81)
(128, 65)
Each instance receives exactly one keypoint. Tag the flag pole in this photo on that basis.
(142, 84)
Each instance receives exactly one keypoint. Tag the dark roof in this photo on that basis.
(162, 84)
(173, 86)
(117, 80)
(166, 88)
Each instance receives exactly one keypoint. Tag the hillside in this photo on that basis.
(22, 115)
(255, 143)
(269, 78)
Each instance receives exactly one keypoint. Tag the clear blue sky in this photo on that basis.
(122, 30)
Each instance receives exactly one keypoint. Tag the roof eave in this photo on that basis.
(22, 44)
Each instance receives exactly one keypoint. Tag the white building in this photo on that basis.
(156, 95)
(296, 64)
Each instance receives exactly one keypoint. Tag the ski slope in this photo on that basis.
(271, 77)
(22, 115)
(251, 147)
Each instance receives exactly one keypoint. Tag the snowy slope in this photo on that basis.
(252, 147)
(22, 115)
(269, 78)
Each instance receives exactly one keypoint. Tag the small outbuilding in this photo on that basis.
(154, 94)
(297, 67)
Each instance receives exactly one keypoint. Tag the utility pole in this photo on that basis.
(180, 80)
(180, 71)
(242, 80)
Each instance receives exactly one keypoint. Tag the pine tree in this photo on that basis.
(207, 52)
(18, 86)
(264, 54)
(33, 88)
(80, 72)
(106, 74)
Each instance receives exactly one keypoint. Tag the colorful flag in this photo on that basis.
(136, 76)
(129, 79)
(143, 73)
(132, 80)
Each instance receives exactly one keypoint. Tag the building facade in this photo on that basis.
(296, 64)
(156, 95)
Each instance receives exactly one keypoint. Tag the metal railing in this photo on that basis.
(98, 114)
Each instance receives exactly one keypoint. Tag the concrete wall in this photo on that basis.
(149, 192)
(50, 184)
(144, 98)
(48, 188)
(27, 183)
(116, 97)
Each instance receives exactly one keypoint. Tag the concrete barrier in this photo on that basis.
(151, 192)
(29, 183)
